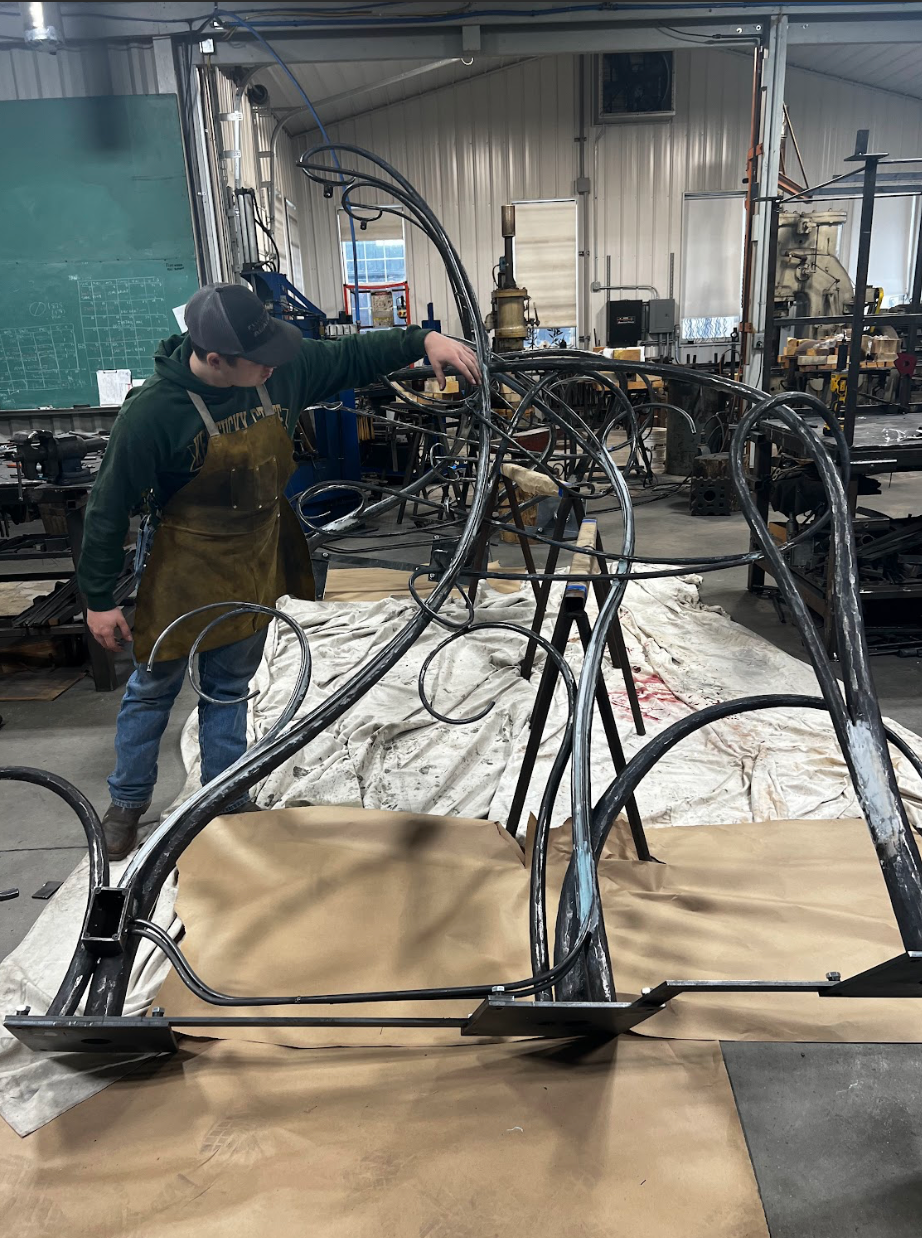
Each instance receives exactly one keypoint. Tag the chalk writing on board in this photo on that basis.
(36, 358)
(123, 321)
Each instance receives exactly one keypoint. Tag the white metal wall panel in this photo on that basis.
(344, 88)
(644, 169)
(116, 70)
(887, 66)
(827, 113)
(468, 149)
(472, 145)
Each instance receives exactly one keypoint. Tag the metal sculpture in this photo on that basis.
(469, 443)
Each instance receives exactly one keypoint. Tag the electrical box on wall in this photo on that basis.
(625, 323)
(661, 316)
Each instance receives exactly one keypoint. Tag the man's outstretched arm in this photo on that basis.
(329, 366)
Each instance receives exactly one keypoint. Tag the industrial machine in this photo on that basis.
(47, 477)
(810, 281)
(508, 320)
(56, 459)
(283, 300)
(279, 295)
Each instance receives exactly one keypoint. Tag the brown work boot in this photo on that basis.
(120, 826)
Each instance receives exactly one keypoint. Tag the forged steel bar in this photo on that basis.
(553, 412)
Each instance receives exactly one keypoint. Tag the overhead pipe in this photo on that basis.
(42, 27)
(608, 286)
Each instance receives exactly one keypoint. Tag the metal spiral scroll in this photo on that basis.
(469, 444)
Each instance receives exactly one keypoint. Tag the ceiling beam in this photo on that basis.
(547, 38)
(637, 27)
(446, 43)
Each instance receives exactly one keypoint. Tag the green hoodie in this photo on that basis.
(158, 442)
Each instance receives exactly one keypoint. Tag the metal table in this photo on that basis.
(61, 509)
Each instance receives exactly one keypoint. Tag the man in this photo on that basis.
(206, 443)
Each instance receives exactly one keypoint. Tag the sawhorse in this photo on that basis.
(572, 613)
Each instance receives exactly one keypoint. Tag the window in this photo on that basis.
(893, 232)
(634, 86)
(712, 265)
(381, 253)
(553, 337)
(545, 264)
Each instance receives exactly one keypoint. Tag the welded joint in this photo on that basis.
(104, 926)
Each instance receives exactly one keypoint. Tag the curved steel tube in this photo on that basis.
(80, 968)
(468, 447)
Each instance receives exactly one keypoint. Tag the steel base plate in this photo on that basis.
(119, 1037)
(504, 1016)
(899, 977)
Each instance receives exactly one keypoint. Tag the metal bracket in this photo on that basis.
(504, 1016)
(899, 977)
(104, 928)
(117, 1036)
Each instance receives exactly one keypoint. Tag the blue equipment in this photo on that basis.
(283, 300)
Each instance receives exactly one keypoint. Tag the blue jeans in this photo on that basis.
(224, 674)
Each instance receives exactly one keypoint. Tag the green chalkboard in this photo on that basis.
(96, 243)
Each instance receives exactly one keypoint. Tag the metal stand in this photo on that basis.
(572, 613)
(616, 646)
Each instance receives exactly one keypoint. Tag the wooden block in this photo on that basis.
(586, 540)
(530, 482)
(38, 685)
(529, 518)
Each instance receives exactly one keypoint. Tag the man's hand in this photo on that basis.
(443, 351)
(109, 628)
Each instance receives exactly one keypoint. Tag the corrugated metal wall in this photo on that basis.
(510, 135)
(116, 70)
(643, 170)
(827, 112)
(467, 148)
(470, 147)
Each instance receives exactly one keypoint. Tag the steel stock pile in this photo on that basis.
(570, 985)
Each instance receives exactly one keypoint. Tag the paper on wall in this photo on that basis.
(113, 385)
(179, 313)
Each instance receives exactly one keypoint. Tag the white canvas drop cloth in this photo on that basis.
(387, 752)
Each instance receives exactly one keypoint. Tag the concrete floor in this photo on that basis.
(664, 528)
(835, 1131)
(40, 839)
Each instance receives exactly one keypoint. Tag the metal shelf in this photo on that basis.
(815, 595)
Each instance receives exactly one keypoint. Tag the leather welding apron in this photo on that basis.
(229, 535)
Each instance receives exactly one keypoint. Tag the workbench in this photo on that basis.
(883, 443)
(61, 510)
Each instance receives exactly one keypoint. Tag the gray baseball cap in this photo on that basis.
(230, 319)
